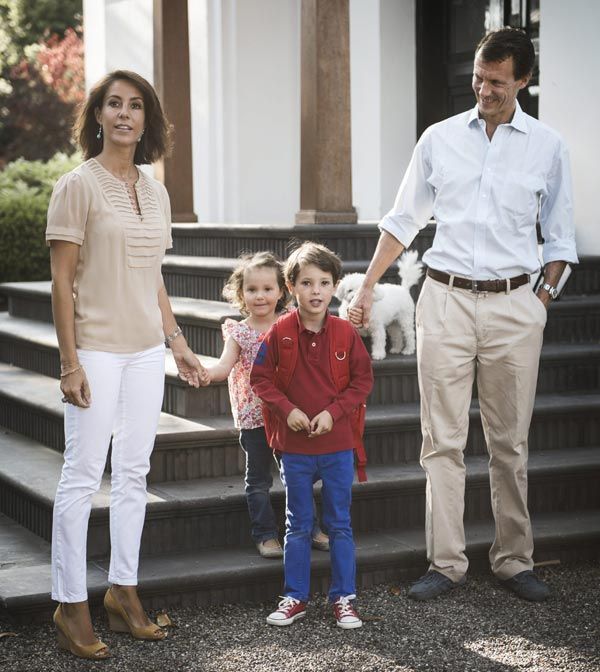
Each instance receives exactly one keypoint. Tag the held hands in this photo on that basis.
(322, 423)
(76, 389)
(189, 367)
(359, 310)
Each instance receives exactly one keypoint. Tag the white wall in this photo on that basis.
(570, 100)
(383, 91)
(118, 35)
(245, 72)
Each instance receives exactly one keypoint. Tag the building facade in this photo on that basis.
(410, 64)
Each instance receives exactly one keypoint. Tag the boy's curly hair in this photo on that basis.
(316, 254)
(234, 288)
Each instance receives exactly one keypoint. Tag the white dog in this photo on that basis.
(393, 308)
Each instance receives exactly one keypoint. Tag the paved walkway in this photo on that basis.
(478, 628)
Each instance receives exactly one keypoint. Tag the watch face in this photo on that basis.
(553, 292)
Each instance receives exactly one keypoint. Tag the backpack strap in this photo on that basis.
(340, 339)
(287, 345)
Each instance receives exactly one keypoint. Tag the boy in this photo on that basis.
(310, 423)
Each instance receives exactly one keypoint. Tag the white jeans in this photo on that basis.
(127, 392)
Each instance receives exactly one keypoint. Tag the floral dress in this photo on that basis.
(245, 405)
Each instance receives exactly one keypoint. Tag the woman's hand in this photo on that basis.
(189, 367)
(76, 389)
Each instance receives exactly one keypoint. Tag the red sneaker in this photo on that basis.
(345, 614)
(288, 610)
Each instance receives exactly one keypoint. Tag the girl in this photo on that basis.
(257, 288)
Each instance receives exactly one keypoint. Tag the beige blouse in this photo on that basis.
(119, 271)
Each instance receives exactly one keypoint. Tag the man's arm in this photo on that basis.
(410, 213)
(388, 248)
(553, 271)
(556, 220)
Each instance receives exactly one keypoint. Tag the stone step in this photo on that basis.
(204, 277)
(196, 514)
(207, 447)
(32, 345)
(349, 241)
(570, 320)
(217, 576)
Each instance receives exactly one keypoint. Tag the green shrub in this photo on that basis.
(25, 189)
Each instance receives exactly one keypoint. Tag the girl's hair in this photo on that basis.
(155, 142)
(234, 288)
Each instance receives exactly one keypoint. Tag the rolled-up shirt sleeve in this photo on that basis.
(556, 211)
(414, 201)
(68, 210)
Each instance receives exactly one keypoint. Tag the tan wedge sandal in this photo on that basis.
(96, 651)
(119, 621)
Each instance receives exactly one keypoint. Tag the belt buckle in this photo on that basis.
(474, 288)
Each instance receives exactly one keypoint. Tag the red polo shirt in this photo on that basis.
(312, 388)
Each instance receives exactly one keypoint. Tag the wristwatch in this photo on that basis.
(551, 290)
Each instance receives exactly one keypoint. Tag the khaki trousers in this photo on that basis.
(463, 336)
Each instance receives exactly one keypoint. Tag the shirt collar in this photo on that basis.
(518, 122)
(302, 328)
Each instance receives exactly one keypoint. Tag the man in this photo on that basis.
(484, 175)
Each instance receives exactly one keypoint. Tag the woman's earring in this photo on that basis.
(140, 138)
(99, 134)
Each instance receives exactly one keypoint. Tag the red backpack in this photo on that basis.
(341, 334)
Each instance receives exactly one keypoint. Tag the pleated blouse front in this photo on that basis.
(119, 270)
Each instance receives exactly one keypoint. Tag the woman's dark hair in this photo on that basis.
(155, 142)
(501, 44)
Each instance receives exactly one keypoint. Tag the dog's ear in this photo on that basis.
(378, 293)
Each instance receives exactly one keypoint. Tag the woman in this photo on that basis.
(108, 228)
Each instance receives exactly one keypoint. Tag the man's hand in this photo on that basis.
(544, 297)
(359, 310)
(320, 424)
(298, 420)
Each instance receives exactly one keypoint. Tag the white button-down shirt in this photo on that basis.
(485, 196)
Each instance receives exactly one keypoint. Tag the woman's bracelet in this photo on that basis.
(64, 374)
(171, 337)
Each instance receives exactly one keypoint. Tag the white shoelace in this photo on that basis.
(287, 602)
(346, 609)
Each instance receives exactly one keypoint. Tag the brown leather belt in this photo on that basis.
(479, 285)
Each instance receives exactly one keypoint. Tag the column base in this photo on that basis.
(326, 217)
(185, 217)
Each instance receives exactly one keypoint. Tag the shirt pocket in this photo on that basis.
(145, 245)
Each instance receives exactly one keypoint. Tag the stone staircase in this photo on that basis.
(196, 547)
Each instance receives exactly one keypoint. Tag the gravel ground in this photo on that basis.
(478, 628)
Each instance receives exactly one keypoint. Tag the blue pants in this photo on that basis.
(259, 480)
(298, 473)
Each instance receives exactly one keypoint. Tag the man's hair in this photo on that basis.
(155, 142)
(501, 44)
(315, 254)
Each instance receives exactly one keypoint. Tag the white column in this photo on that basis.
(118, 36)
(570, 99)
(245, 73)
(384, 94)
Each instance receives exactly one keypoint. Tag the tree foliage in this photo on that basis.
(25, 190)
(41, 76)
